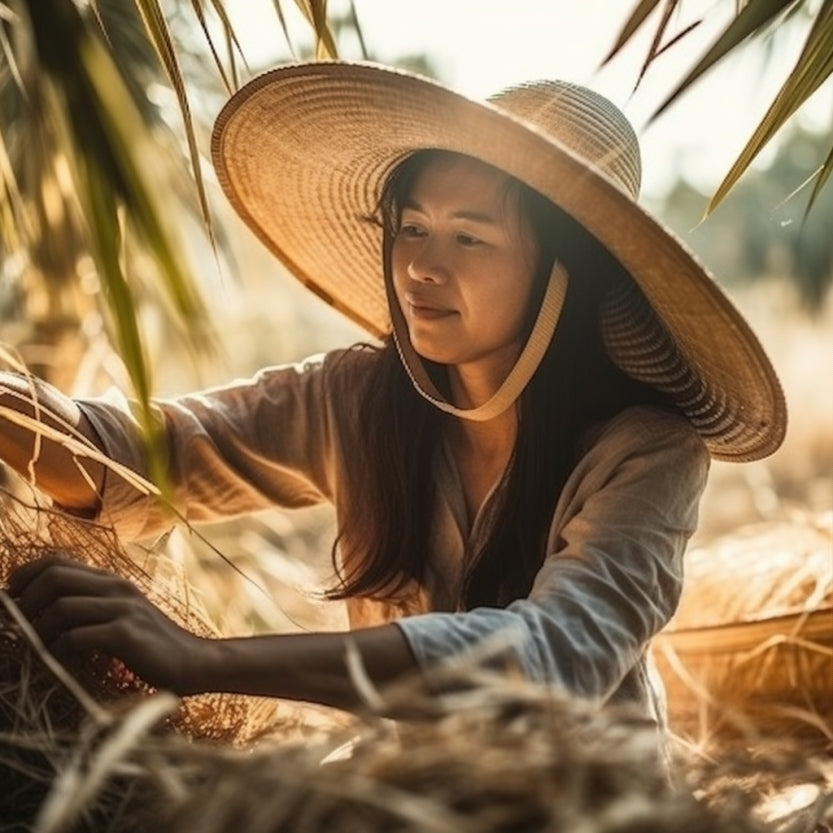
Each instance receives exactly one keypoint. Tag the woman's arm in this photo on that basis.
(76, 609)
(71, 480)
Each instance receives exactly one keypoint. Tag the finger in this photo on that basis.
(70, 612)
(21, 576)
(81, 641)
(25, 574)
(66, 578)
(118, 640)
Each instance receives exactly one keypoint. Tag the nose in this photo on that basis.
(426, 263)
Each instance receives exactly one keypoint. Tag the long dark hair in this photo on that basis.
(385, 533)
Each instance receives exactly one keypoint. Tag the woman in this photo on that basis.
(519, 463)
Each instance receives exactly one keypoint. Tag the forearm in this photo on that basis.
(310, 667)
(71, 479)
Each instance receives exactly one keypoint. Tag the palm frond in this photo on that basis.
(813, 68)
(822, 176)
(86, 122)
(636, 18)
(80, 172)
(752, 18)
(282, 20)
(157, 29)
(657, 47)
(315, 12)
(229, 76)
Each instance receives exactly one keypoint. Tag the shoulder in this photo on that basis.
(645, 426)
(645, 441)
(334, 372)
(645, 467)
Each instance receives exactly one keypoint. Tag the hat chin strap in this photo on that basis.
(518, 377)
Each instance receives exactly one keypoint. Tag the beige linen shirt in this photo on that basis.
(613, 570)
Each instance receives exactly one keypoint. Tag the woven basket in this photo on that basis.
(749, 652)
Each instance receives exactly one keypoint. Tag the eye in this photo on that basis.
(410, 230)
(468, 240)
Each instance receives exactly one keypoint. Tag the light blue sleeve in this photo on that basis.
(613, 574)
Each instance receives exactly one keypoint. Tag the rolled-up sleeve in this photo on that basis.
(268, 440)
(613, 573)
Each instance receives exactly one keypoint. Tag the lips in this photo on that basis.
(422, 309)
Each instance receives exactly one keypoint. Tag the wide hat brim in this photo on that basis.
(301, 152)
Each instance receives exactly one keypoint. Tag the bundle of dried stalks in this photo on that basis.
(29, 530)
(493, 754)
(496, 756)
(750, 649)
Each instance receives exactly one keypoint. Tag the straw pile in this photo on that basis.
(500, 756)
(493, 755)
(750, 649)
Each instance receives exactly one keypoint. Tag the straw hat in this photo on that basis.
(302, 152)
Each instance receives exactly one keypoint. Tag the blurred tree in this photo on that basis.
(757, 233)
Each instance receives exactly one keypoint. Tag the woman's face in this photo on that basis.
(463, 267)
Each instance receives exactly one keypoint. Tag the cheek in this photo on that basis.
(511, 293)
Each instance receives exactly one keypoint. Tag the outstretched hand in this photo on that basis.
(76, 609)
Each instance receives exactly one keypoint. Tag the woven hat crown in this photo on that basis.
(584, 122)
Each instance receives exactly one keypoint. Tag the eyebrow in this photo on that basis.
(462, 214)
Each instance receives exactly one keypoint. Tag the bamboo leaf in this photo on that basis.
(813, 67)
(315, 11)
(755, 15)
(822, 178)
(160, 36)
(282, 19)
(637, 17)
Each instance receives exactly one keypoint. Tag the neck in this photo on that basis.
(482, 451)
(492, 440)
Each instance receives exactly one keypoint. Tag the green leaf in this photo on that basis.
(750, 19)
(96, 196)
(157, 29)
(637, 17)
(813, 67)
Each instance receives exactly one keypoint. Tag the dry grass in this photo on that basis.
(798, 478)
(28, 530)
(495, 754)
(750, 649)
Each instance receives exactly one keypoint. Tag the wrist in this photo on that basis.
(202, 667)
